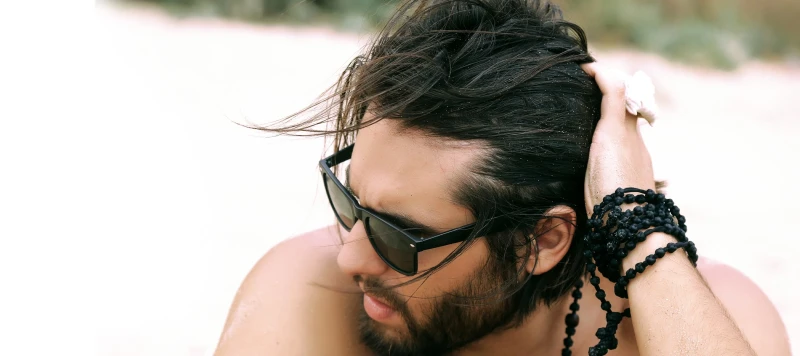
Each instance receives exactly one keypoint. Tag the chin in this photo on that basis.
(390, 333)
(383, 339)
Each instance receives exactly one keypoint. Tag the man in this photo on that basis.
(471, 140)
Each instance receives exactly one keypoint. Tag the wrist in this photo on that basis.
(654, 241)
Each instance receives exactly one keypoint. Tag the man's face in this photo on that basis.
(406, 174)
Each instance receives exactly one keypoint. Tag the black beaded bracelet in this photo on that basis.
(606, 244)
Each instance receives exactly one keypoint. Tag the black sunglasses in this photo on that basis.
(396, 246)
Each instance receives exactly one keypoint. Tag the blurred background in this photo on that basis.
(132, 205)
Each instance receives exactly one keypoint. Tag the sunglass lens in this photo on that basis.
(392, 245)
(341, 204)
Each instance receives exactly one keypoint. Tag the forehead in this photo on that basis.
(408, 173)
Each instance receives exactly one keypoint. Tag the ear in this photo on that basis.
(554, 234)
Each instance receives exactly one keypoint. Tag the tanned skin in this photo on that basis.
(301, 298)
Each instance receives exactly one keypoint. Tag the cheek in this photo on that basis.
(448, 278)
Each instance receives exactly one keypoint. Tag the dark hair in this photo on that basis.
(504, 73)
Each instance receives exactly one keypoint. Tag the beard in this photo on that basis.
(473, 310)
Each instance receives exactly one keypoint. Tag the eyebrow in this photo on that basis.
(403, 221)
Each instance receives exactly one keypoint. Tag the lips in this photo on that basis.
(377, 309)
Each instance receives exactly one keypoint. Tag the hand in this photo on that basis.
(618, 156)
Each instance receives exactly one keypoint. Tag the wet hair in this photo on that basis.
(502, 73)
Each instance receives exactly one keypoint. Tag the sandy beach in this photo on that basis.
(170, 203)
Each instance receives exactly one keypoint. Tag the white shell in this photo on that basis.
(640, 97)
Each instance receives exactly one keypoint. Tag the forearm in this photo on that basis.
(673, 310)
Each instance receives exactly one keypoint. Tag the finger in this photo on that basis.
(612, 84)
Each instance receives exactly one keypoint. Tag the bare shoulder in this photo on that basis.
(291, 303)
(748, 306)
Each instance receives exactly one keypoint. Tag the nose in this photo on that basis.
(357, 257)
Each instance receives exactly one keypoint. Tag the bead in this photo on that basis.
(614, 318)
(587, 253)
(570, 331)
(591, 267)
(606, 305)
(619, 192)
(577, 294)
(619, 290)
(639, 267)
(613, 345)
(660, 198)
(567, 342)
(660, 252)
(629, 199)
(618, 201)
(640, 236)
(622, 253)
(574, 306)
(600, 294)
(630, 245)
(607, 199)
(649, 194)
(601, 333)
(579, 284)
(594, 280)
(682, 219)
(641, 199)
(650, 260)
(638, 210)
(630, 273)
(566, 352)
(671, 247)
(572, 320)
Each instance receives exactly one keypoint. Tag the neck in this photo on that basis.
(544, 330)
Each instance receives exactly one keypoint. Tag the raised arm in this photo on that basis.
(674, 311)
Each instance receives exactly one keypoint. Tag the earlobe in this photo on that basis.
(554, 234)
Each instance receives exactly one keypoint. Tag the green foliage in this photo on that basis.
(355, 15)
(720, 33)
